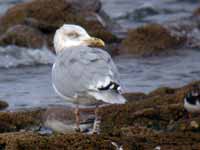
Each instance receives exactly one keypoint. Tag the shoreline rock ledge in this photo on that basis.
(43, 17)
(146, 121)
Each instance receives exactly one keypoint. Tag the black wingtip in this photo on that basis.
(111, 86)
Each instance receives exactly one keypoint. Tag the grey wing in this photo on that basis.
(77, 71)
(100, 69)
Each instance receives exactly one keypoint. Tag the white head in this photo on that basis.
(73, 35)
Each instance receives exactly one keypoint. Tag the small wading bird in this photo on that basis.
(192, 100)
(83, 73)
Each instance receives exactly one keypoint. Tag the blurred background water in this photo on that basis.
(25, 74)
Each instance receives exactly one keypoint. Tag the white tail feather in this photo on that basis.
(109, 97)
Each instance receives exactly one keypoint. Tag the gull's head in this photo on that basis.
(73, 35)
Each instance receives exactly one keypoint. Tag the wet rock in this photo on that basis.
(132, 97)
(3, 104)
(87, 5)
(24, 36)
(155, 117)
(37, 9)
(48, 15)
(30, 141)
(157, 120)
(175, 141)
(15, 121)
(162, 91)
(164, 105)
(188, 28)
(152, 39)
(137, 130)
(148, 121)
(96, 27)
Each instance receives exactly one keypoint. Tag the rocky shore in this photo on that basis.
(155, 121)
(33, 24)
(146, 121)
(39, 19)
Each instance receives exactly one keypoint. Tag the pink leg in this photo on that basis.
(96, 112)
(77, 113)
(96, 127)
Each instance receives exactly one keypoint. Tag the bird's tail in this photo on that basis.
(111, 97)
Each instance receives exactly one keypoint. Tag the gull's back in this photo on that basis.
(82, 72)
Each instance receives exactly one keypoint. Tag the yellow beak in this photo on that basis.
(94, 42)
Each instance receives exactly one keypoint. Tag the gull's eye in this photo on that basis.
(73, 35)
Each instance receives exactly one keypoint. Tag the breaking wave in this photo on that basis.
(13, 56)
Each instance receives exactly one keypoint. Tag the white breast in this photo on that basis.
(192, 108)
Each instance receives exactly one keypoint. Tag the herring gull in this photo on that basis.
(83, 73)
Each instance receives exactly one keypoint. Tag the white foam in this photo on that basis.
(13, 56)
